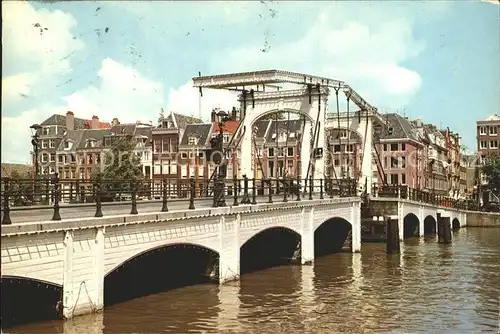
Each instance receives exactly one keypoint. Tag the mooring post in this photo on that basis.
(392, 235)
(270, 192)
(285, 190)
(56, 215)
(321, 189)
(6, 205)
(439, 227)
(192, 192)
(254, 191)
(298, 189)
(98, 188)
(133, 184)
(444, 230)
(246, 199)
(311, 188)
(235, 191)
(164, 206)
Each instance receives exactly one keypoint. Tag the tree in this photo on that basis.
(21, 188)
(491, 170)
(122, 168)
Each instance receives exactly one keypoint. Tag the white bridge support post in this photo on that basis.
(229, 257)
(421, 218)
(356, 227)
(367, 162)
(83, 275)
(307, 233)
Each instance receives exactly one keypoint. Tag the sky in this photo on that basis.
(435, 60)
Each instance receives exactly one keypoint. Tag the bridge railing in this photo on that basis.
(418, 195)
(60, 194)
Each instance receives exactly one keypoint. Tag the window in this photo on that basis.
(482, 130)
(336, 148)
(52, 170)
(336, 162)
(494, 144)
(225, 138)
(157, 146)
(280, 168)
(403, 146)
(173, 145)
(192, 140)
(350, 148)
(289, 151)
(170, 124)
(270, 152)
(403, 178)
(493, 130)
(484, 144)
(191, 155)
(45, 131)
(52, 143)
(394, 179)
(44, 144)
(165, 145)
(385, 147)
(394, 162)
(280, 151)
(394, 147)
(271, 168)
(291, 135)
(52, 157)
(90, 143)
(403, 162)
(343, 134)
(44, 157)
(184, 155)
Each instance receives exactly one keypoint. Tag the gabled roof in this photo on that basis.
(201, 131)
(74, 136)
(93, 134)
(401, 128)
(57, 119)
(284, 126)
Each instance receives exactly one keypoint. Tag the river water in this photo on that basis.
(428, 288)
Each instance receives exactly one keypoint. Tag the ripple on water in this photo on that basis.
(429, 288)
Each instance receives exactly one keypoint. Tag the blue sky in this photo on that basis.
(435, 60)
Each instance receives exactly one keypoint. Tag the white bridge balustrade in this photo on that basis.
(76, 255)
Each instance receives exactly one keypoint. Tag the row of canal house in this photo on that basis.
(411, 152)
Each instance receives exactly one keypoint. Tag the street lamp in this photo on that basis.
(219, 200)
(35, 142)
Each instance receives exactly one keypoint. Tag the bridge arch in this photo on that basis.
(455, 224)
(430, 225)
(160, 268)
(410, 225)
(27, 300)
(331, 235)
(270, 247)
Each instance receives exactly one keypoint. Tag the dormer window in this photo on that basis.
(343, 134)
(91, 143)
(192, 140)
(45, 131)
(170, 124)
(67, 144)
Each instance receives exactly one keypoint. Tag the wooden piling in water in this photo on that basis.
(392, 231)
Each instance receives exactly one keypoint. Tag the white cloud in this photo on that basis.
(367, 56)
(37, 46)
(186, 100)
(122, 93)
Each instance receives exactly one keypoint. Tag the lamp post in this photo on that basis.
(219, 200)
(35, 142)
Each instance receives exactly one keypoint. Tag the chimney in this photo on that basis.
(214, 116)
(70, 120)
(115, 122)
(95, 122)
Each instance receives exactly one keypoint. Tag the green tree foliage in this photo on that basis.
(121, 162)
(491, 169)
(21, 188)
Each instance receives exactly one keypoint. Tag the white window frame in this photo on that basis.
(493, 130)
(483, 144)
(483, 130)
(493, 142)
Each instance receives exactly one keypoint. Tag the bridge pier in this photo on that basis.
(229, 256)
(83, 272)
(421, 219)
(307, 233)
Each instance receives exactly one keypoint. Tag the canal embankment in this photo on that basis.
(483, 219)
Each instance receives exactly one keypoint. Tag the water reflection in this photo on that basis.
(427, 288)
